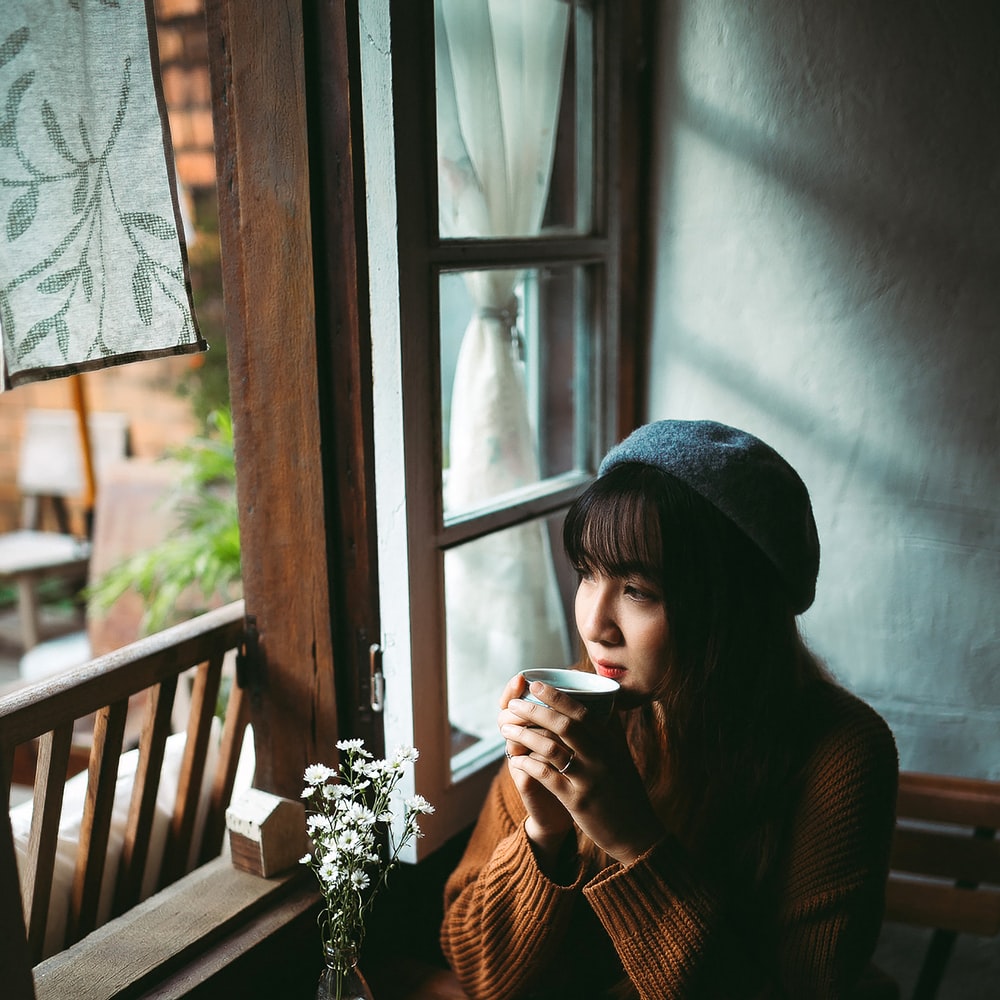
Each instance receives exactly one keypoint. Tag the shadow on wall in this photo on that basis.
(827, 239)
(866, 121)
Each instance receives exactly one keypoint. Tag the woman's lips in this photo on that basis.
(612, 670)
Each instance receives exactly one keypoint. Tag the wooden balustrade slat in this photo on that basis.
(230, 747)
(946, 907)
(6, 770)
(204, 696)
(954, 855)
(947, 799)
(142, 808)
(43, 838)
(105, 756)
(15, 960)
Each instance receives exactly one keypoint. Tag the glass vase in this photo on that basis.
(342, 979)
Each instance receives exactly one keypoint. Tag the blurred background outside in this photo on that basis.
(167, 403)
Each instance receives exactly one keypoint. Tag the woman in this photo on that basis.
(727, 834)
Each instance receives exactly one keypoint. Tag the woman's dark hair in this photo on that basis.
(719, 743)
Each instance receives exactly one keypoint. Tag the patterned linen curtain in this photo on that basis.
(499, 81)
(93, 266)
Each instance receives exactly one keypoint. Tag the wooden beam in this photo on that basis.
(259, 102)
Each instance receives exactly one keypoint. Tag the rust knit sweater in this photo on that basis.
(667, 922)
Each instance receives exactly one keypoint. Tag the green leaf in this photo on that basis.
(45, 329)
(13, 44)
(17, 92)
(155, 225)
(142, 293)
(116, 126)
(80, 192)
(57, 282)
(62, 333)
(85, 137)
(87, 278)
(22, 213)
(54, 131)
(202, 555)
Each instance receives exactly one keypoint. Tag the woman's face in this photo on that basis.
(623, 623)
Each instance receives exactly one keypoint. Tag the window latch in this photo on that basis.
(376, 678)
(249, 668)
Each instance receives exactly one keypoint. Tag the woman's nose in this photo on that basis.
(595, 613)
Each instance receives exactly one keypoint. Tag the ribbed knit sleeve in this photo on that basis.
(678, 935)
(833, 898)
(662, 918)
(504, 919)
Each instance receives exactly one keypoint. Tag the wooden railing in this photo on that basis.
(39, 721)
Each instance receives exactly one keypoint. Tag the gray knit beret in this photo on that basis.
(746, 480)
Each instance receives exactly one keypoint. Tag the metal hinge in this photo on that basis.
(376, 679)
(249, 669)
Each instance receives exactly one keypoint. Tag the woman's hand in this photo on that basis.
(571, 769)
(548, 821)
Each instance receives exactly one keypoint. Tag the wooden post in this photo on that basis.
(86, 452)
(256, 56)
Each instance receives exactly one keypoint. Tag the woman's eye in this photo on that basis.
(637, 592)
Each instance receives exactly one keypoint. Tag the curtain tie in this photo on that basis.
(507, 315)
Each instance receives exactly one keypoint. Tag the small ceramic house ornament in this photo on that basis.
(267, 834)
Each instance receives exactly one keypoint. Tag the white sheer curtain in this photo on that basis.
(499, 80)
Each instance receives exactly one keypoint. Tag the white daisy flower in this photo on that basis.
(316, 774)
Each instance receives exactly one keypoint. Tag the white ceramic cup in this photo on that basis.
(595, 692)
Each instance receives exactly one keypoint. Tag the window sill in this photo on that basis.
(186, 940)
(178, 938)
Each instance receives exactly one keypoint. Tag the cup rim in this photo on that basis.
(595, 683)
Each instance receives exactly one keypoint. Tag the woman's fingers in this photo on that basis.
(542, 744)
(513, 689)
(551, 732)
(555, 700)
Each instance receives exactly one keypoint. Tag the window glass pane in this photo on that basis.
(515, 103)
(516, 381)
(508, 606)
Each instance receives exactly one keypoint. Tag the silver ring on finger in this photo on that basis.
(565, 767)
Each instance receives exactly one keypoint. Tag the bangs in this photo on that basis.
(614, 528)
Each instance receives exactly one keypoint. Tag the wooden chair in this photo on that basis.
(945, 867)
(131, 514)
(50, 470)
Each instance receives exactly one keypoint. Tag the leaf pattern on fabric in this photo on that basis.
(92, 264)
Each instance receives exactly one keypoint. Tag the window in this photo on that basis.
(494, 255)
(346, 306)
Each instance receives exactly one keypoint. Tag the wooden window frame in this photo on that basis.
(289, 144)
(408, 314)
